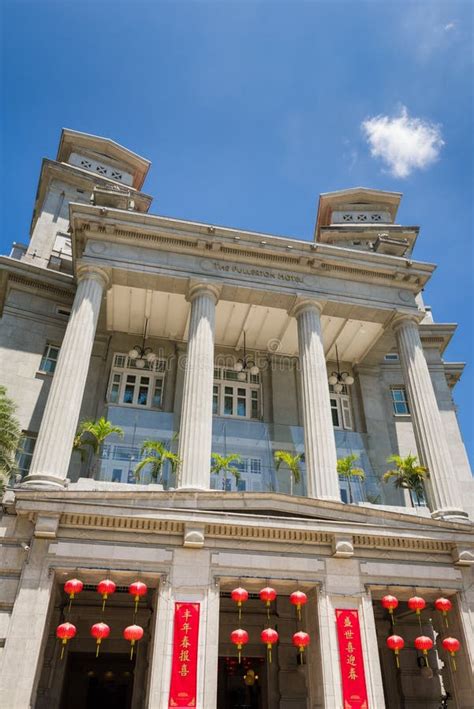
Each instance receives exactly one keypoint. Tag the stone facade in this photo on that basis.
(244, 330)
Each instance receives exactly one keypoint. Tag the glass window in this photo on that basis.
(399, 401)
(241, 402)
(255, 466)
(134, 389)
(215, 399)
(254, 402)
(228, 401)
(49, 359)
(341, 409)
(334, 412)
(116, 475)
(24, 453)
(115, 388)
(241, 485)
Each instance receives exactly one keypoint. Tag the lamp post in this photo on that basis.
(245, 365)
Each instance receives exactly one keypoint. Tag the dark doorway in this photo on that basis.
(241, 686)
(92, 682)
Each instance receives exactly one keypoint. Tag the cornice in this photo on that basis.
(26, 276)
(284, 253)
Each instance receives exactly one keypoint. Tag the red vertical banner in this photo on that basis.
(185, 653)
(354, 689)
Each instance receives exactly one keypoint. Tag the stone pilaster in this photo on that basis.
(52, 453)
(195, 433)
(320, 446)
(429, 432)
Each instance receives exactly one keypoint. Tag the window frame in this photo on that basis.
(343, 409)
(226, 379)
(121, 374)
(46, 357)
(21, 452)
(403, 401)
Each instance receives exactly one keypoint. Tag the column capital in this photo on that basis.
(403, 319)
(86, 271)
(197, 288)
(302, 304)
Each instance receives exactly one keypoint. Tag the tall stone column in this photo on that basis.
(195, 434)
(53, 447)
(429, 432)
(320, 445)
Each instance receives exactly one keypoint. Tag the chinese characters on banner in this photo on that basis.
(354, 689)
(185, 647)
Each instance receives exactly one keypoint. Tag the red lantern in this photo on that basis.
(395, 643)
(300, 640)
(298, 599)
(416, 603)
(240, 638)
(100, 631)
(269, 637)
(65, 632)
(424, 643)
(239, 595)
(137, 589)
(268, 594)
(72, 587)
(443, 605)
(105, 588)
(452, 646)
(133, 633)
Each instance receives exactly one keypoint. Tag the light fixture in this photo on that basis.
(338, 379)
(142, 355)
(245, 365)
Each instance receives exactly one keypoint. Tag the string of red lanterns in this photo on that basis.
(267, 595)
(65, 631)
(105, 587)
(301, 640)
(269, 636)
(99, 631)
(133, 633)
(138, 589)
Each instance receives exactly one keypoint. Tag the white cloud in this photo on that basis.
(449, 26)
(403, 143)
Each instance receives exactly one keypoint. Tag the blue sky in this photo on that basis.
(249, 110)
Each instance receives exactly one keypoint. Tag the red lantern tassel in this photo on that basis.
(269, 653)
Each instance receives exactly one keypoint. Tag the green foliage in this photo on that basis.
(345, 467)
(156, 455)
(223, 464)
(407, 474)
(90, 435)
(292, 462)
(10, 435)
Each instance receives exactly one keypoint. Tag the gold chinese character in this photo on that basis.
(186, 627)
(347, 622)
(187, 614)
(184, 656)
(185, 642)
(184, 670)
(350, 647)
(351, 660)
(352, 673)
(348, 634)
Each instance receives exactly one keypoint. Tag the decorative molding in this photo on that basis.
(49, 288)
(194, 535)
(343, 546)
(125, 524)
(46, 526)
(237, 532)
(399, 543)
(463, 556)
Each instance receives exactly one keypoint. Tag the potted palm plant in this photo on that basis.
(292, 462)
(91, 435)
(408, 474)
(156, 454)
(10, 435)
(223, 464)
(346, 468)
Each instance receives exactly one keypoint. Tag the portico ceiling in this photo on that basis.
(267, 329)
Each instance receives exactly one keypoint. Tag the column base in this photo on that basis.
(43, 482)
(193, 488)
(451, 515)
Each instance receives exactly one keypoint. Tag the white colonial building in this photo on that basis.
(215, 340)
